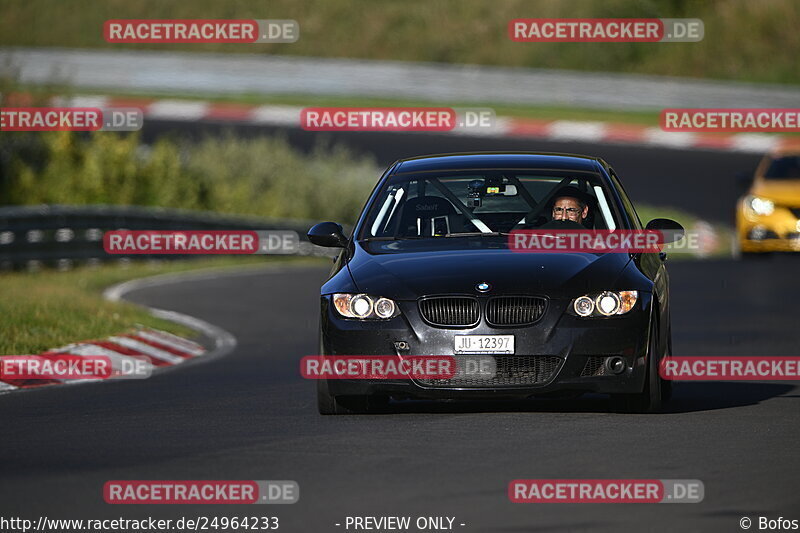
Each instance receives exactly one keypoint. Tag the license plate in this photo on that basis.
(484, 344)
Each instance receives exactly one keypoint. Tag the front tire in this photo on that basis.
(327, 404)
(667, 385)
(651, 399)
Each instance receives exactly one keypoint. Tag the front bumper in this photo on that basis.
(573, 348)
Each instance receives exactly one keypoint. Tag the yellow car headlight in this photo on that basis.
(760, 206)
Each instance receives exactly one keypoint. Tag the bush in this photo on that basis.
(262, 176)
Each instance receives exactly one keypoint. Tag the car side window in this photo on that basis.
(626, 202)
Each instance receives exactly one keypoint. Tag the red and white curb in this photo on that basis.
(163, 350)
(159, 348)
(508, 127)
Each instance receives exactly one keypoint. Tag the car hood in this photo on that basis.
(784, 192)
(410, 275)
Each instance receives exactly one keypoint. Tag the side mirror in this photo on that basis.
(671, 230)
(328, 234)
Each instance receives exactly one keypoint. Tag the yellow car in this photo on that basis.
(768, 216)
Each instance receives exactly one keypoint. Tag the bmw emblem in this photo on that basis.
(483, 287)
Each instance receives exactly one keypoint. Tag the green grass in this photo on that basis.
(744, 40)
(48, 309)
(516, 111)
(519, 111)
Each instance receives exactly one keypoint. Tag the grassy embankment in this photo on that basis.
(47, 309)
(744, 40)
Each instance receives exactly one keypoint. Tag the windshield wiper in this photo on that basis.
(393, 238)
(415, 237)
(478, 234)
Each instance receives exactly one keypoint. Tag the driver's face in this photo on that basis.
(567, 208)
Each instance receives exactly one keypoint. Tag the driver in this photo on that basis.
(571, 204)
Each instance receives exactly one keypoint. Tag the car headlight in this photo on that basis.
(364, 306)
(583, 306)
(606, 303)
(760, 206)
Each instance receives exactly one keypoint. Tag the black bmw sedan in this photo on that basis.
(429, 271)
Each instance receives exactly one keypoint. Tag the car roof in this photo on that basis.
(498, 160)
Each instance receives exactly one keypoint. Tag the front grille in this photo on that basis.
(514, 310)
(595, 366)
(795, 211)
(450, 310)
(511, 370)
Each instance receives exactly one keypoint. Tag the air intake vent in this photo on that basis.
(514, 310)
(595, 366)
(512, 371)
(450, 311)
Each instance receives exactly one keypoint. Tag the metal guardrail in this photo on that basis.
(224, 73)
(63, 236)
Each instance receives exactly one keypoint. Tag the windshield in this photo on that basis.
(784, 168)
(429, 206)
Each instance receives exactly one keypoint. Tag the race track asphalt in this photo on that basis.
(250, 415)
